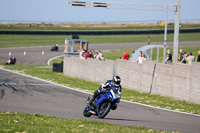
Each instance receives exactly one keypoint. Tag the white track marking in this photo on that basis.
(48, 62)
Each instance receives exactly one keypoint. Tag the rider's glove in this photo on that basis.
(107, 85)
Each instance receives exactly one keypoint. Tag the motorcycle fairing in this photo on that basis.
(101, 99)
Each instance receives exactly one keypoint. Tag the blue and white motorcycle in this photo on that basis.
(103, 103)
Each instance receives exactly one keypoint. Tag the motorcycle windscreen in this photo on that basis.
(115, 94)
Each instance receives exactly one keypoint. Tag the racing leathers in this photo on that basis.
(104, 88)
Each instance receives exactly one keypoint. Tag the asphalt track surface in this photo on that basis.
(20, 93)
(25, 94)
(34, 54)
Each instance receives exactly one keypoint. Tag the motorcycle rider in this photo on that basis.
(105, 87)
(55, 48)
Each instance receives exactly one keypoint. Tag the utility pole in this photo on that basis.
(165, 36)
(176, 31)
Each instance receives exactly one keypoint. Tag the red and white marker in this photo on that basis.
(42, 53)
(24, 53)
(10, 54)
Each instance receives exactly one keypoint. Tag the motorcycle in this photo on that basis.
(54, 48)
(103, 103)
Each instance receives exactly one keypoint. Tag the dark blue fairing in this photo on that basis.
(86, 110)
(101, 99)
(110, 95)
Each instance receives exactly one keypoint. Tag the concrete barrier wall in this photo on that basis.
(180, 81)
(135, 76)
(90, 69)
(195, 83)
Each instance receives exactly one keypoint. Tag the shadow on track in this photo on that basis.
(120, 119)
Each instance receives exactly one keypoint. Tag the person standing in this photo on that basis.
(133, 53)
(87, 55)
(140, 58)
(100, 56)
(169, 57)
(82, 54)
(190, 59)
(198, 57)
(182, 56)
(93, 54)
(125, 55)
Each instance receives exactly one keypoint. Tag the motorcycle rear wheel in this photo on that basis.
(104, 109)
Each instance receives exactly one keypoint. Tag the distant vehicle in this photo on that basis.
(11, 61)
(103, 103)
(55, 48)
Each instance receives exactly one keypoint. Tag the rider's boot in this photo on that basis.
(97, 109)
(90, 102)
(96, 94)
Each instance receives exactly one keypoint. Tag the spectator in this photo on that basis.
(125, 55)
(82, 54)
(133, 53)
(95, 55)
(169, 57)
(100, 56)
(190, 59)
(182, 56)
(11, 61)
(87, 55)
(198, 58)
(92, 54)
(140, 58)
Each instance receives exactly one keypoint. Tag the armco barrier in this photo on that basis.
(180, 81)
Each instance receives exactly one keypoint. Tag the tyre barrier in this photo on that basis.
(97, 32)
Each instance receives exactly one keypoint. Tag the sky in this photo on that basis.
(60, 11)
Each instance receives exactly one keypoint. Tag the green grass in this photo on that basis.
(30, 40)
(27, 123)
(130, 95)
(49, 40)
(57, 60)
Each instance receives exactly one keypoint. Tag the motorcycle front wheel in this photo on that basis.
(86, 112)
(104, 109)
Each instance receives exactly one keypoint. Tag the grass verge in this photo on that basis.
(49, 40)
(27, 123)
(130, 95)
